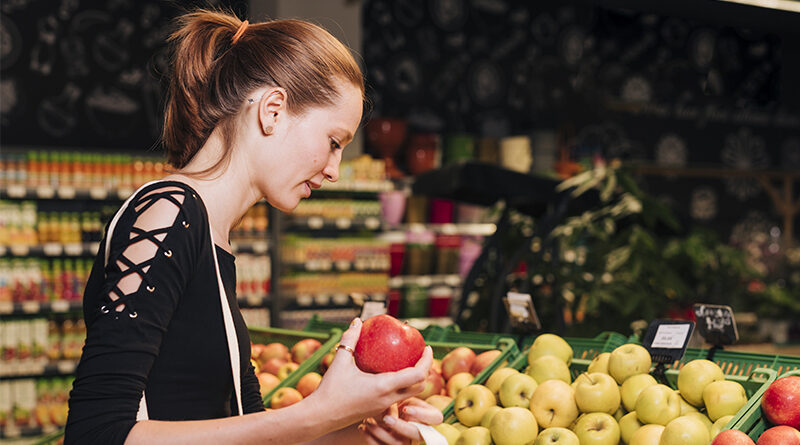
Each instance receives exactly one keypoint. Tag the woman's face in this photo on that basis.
(308, 149)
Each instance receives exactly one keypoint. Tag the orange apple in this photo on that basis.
(434, 383)
(438, 401)
(286, 369)
(273, 365)
(273, 350)
(458, 360)
(255, 350)
(437, 365)
(266, 382)
(458, 382)
(284, 397)
(326, 361)
(483, 360)
(308, 383)
(304, 349)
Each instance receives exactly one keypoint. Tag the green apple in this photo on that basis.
(628, 360)
(557, 436)
(460, 427)
(471, 404)
(514, 426)
(497, 378)
(717, 426)
(457, 383)
(580, 378)
(549, 367)
(550, 344)
(486, 420)
(701, 417)
(647, 435)
(658, 404)
(628, 425)
(620, 412)
(476, 435)
(723, 398)
(632, 387)
(553, 404)
(685, 430)
(686, 407)
(517, 390)
(598, 393)
(600, 363)
(449, 432)
(597, 429)
(693, 378)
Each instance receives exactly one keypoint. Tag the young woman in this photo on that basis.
(254, 111)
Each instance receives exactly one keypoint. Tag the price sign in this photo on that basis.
(372, 223)
(521, 311)
(16, 191)
(372, 308)
(666, 340)
(716, 324)
(315, 222)
(98, 193)
(343, 223)
(45, 192)
(66, 192)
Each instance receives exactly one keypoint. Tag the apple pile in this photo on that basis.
(454, 372)
(274, 362)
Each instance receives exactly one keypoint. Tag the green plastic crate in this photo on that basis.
(289, 337)
(751, 420)
(454, 335)
(317, 324)
(742, 363)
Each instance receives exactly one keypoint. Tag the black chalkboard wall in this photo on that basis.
(668, 90)
(86, 73)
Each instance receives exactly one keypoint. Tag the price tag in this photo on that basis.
(20, 250)
(372, 308)
(260, 247)
(255, 300)
(66, 366)
(66, 192)
(372, 223)
(73, 249)
(16, 191)
(30, 307)
(666, 340)
(94, 247)
(716, 324)
(52, 249)
(98, 193)
(124, 192)
(342, 265)
(521, 311)
(6, 307)
(343, 223)
(315, 222)
(45, 192)
(3, 250)
(59, 306)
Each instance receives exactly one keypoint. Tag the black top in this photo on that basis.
(169, 340)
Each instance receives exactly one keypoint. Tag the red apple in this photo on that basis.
(434, 383)
(286, 369)
(732, 437)
(284, 397)
(457, 361)
(779, 435)
(266, 382)
(326, 361)
(781, 402)
(255, 350)
(386, 344)
(273, 365)
(308, 383)
(273, 350)
(483, 360)
(304, 349)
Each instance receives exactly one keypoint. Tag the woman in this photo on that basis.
(254, 111)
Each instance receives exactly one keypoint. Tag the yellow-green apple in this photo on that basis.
(461, 427)
(717, 426)
(702, 418)
(434, 383)
(456, 361)
(273, 365)
(732, 437)
(327, 360)
(628, 425)
(597, 429)
(693, 378)
(483, 360)
(439, 401)
(284, 397)
(600, 363)
(550, 344)
(273, 350)
(649, 434)
(387, 344)
(436, 365)
(308, 383)
(486, 420)
(781, 402)
(628, 360)
(658, 404)
(685, 430)
(256, 366)
(619, 413)
(686, 407)
(779, 435)
(476, 435)
(632, 387)
(458, 382)
(286, 369)
(556, 436)
(723, 398)
(517, 390)
(598, 393)
(580, 378)
(514, 426)
(549, 367)
(553, 404)
(266, 382)
(471, 404)
(497, 378)
(449, 432)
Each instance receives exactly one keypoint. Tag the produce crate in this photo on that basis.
(317, 324)
(452, 334)
(742, 363)
(751, 420)
(289, 338)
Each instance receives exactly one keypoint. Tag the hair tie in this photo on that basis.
(239, 32)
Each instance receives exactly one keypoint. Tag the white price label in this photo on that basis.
(66, 192)
(671, 336)
(66, 366)
(6, 307)
(342, 265)
(16, 191)
(372, 308)
(343, 223)
(260, 247)
(372, 223)
(45, 192)
(124, 192)
(98, 193)
(20, 250)
(315, 222)
(59, 306)
(73, 249)
(3, 250)
(52, 249)
(30, 307)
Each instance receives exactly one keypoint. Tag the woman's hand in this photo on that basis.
(351, 395)
(394, 427)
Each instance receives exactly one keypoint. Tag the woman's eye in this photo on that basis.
(335, 145)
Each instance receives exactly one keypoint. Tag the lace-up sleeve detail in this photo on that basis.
(128, 306)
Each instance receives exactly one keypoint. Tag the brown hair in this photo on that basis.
(212, 76)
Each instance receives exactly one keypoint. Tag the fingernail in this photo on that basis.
(389, 420)
(410, 410)
(355, 322)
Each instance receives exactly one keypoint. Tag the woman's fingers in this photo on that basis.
(411, 376)
(349, 339)
(417, 410)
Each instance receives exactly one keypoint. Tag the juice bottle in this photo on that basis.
(32, 167)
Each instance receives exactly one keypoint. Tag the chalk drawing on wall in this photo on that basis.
(744, 150)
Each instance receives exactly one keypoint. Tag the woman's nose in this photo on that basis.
(331, 171)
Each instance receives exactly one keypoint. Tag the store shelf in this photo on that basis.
(484, 229)
(318, 223)
(51, 250)
(65, 193)
(253, 302)
(425, 280)
(60, 368)
(321, 265)
(257, 247)
(354, 187)
(39, 307)
(31, 434)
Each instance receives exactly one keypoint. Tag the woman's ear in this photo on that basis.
(270, 108)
